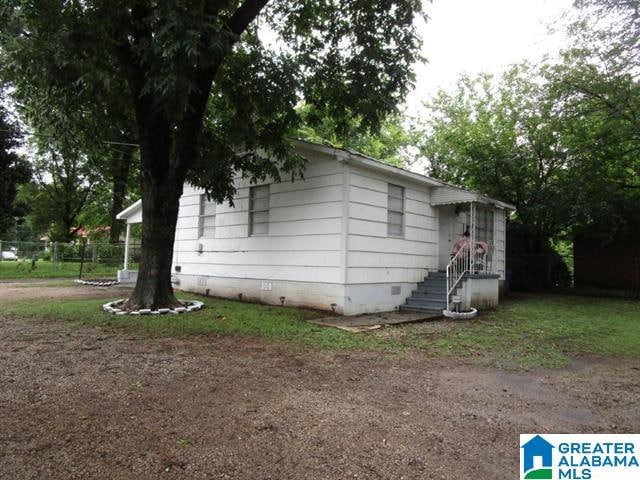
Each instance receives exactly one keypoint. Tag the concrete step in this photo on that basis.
(431, 288)
(431, 304)
(406, 308)
(434, 282)
(429, 295)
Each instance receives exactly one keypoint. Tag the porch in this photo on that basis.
(471, 243)
(133, 216)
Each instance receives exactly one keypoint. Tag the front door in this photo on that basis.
(452, 222)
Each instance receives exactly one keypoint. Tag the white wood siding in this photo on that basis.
(499, 242)
(303, 243)
(376, 257)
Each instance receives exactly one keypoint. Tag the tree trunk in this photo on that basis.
(120, 175)
(160, 202)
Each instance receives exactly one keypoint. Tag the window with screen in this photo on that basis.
(259, 210)
(395, 211)
(484, 225)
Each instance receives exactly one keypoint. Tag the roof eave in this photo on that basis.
(131, 209)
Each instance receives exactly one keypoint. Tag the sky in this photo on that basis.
(473, 36)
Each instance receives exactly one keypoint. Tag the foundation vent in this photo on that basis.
(396, 289)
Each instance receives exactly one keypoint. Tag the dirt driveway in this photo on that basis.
(85, 403)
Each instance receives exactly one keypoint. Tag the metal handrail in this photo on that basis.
(463, 262)
(456, 268)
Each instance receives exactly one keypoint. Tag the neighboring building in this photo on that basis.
(614, 265)
(356, 235)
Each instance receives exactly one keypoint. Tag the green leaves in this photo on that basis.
(559, 141)
(355, 56)
(13, 171)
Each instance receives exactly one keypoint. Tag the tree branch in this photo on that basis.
(246, 13)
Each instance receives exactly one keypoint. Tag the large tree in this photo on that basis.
(63, 187)
(598, 92)
(92, 113)
(212, 97)
(502, 136)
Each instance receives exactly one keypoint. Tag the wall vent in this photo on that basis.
(396, 289)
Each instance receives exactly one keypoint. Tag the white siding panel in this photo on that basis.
(306, 227)
(291, 273)
(321, 259)
(367, 228)
(368, 197)
(386, 275)
(308, 183)
(378, 259)
(267, 244)
(187, 222)
(362, 181)
(192, 210)
(189, 190)
(419, 208)
(234, 231)
(420, 234)
(422, 196)
(232, 218)
(305, 197)
(187, 234)
(390, 244)
(420, 221)
(301, 212)
(368, 212)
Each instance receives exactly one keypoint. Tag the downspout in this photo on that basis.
(126, 246)
(344, 232)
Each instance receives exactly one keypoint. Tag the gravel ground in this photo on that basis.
(79, 402)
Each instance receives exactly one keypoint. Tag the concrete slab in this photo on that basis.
(387, 318)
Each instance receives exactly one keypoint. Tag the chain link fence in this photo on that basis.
(64, 260)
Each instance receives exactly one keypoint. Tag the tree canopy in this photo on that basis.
(559, 140)
(393, 142)
(214, 86)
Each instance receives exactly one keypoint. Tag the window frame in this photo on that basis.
(252, 211)
(391, 211)
(202, 215)
(487, 226)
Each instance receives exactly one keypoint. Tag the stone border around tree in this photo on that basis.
(189, 306)
(98, 283)
(460, 315)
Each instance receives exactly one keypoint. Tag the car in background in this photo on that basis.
(9, 256)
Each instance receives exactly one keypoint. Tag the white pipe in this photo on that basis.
(126, 247)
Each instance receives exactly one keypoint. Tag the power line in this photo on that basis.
(54, 136)
(121, 143)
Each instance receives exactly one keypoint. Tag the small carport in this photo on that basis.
(132, 215)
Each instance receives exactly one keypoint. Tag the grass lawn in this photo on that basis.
(526, 332)
(545, 330)
(46, 269)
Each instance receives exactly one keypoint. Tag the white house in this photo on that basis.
(355, 236)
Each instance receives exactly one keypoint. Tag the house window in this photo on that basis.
(207, 218)
(259, 210)
(395, 211)
(484, 225)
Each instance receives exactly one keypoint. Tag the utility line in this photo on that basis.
(53, 136)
